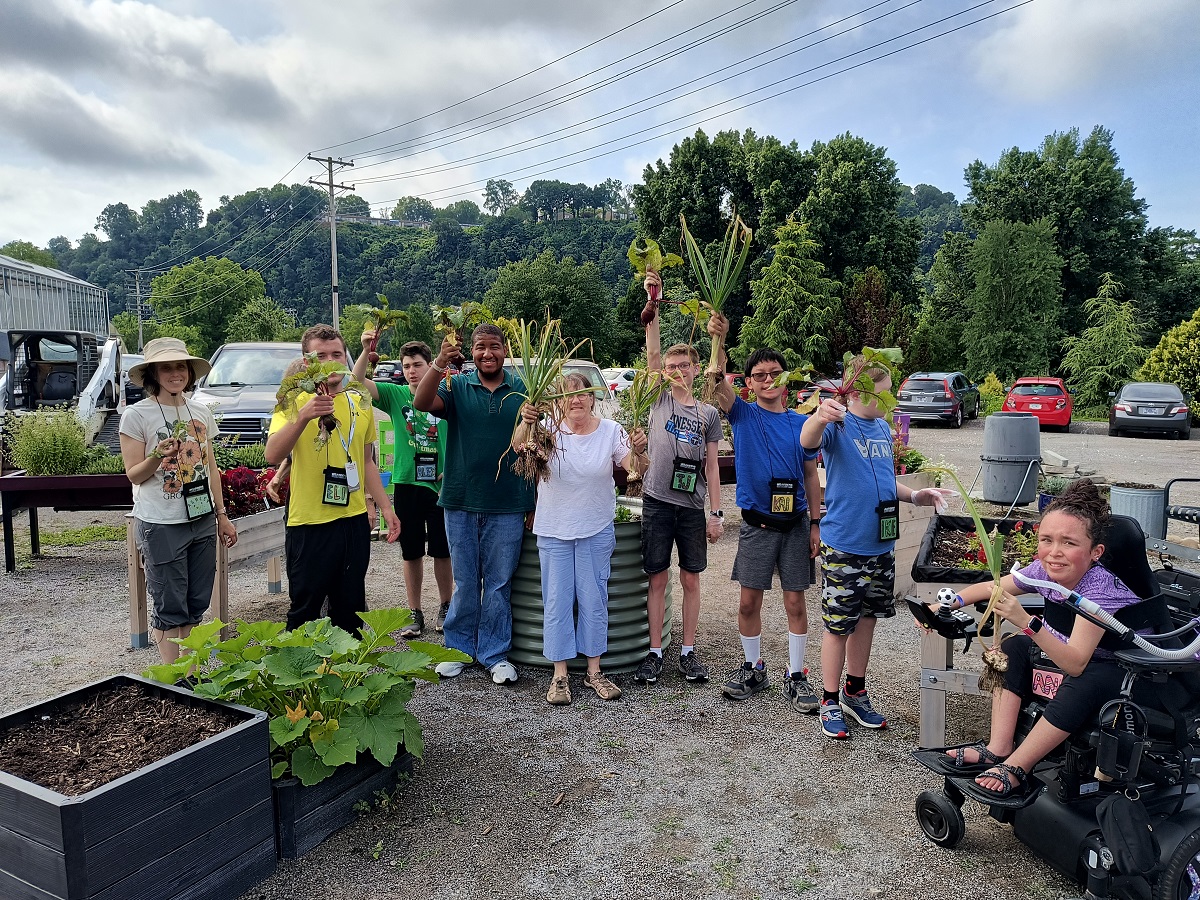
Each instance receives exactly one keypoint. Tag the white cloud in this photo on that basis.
(1053, 48)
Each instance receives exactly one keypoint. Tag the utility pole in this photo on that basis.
(329, 162)
(137, 293)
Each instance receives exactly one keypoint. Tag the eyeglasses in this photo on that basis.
(677, 367)
(764, 376)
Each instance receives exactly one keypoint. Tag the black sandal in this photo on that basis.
(986, 756)
(1012, 777)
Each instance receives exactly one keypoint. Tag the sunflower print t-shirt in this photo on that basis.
(160, 499)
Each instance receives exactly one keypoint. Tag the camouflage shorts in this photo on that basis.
(856, 586)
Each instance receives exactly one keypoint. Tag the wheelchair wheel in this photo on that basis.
(940, 819)
(1181, 878)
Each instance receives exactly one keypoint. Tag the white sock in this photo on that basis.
(684, 651)
(796, 645)
(752, 647)
(657, 651)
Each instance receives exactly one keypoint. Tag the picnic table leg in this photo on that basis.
(35, 536)
(221, 589)
(139, 620)
(10, 549)
(937, 657)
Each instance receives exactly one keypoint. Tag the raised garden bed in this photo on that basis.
(947, 541)
(196, 823)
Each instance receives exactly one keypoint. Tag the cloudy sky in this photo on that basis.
(130, 101)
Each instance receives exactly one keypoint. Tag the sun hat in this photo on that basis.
(168, 349)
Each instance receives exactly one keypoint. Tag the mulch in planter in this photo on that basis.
(89, 743)
(950, 548)
(946, 543)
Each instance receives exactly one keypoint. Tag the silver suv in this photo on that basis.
(606, 404)
(242, 385)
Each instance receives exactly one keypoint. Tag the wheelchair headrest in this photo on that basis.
(1125, 556)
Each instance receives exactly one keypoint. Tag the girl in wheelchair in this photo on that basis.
(1069, 550)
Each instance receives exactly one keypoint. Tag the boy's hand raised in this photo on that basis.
(718, 325)
(830, 411)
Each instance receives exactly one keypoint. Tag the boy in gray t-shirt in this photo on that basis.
(683, 435)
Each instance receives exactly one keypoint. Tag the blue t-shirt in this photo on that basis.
(766, 445)
(859, 475)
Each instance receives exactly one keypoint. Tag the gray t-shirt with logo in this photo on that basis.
(679, 430)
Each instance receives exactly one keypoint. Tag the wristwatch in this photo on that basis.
(1034, 626)
(814, 522)
(719, 513)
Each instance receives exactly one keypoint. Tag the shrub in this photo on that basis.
(1176, 360)
(48, 441)
(991, 395)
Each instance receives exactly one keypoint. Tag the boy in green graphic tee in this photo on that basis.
(858, 534)
(416, 478)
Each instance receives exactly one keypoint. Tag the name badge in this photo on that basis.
(352, 480)
(197, 500)
(684, 475)
(337, 490)
(889, 520)
(425, 464)
(783, 495)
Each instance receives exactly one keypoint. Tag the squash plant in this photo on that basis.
(330, 695)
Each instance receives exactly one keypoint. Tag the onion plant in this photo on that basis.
(636, 402)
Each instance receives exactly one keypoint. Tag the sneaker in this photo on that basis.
(650, 670)
(604, 688)
(745, 682)
(800, 693)
(450, 669)
(832, 722)
(440, 626)
(693, 670)
(503, 672)
(858, 707)
(415, 627)
(560, 691)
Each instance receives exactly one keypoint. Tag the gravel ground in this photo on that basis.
(669, 792)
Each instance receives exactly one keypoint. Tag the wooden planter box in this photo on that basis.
(260, 539)
(306, 816)
(19, 491)
(914, 520)
(928, 578)
(198, 825)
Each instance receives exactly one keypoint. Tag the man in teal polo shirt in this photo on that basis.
(485, 502)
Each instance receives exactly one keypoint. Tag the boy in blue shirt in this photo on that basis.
(775, 480)
(858, 534)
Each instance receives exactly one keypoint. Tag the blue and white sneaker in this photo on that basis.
(858, 707)
(832, 722)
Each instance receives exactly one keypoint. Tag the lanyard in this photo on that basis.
(346, 442)
(870, 460)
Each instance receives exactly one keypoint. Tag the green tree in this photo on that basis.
(353, 205)
(262, 319)
(26, 251)
(465, 212)
(1016, 300)
(126, 326)
(937, 342)
(1107, 353)
(1176, 359)
(794, 304)
(575, 294)
(499, 196)
(205, 294)
(875, 315)
(414, 209)
(1079, 186)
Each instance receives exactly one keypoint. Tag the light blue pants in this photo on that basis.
(575, 594)
(484, 550)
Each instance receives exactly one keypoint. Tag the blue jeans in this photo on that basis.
(484, 550)
(575, 594)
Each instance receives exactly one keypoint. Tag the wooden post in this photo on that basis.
(220, 594)
(139, 620)
(275, 575)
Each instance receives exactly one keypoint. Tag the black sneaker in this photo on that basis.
(799, 692)
(650, 670)
(745, 682)
(691, 667)
(415, 627)
(441, 619)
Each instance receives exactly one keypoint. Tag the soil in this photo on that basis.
(83, 745)
(950, 547)
(1134, 486)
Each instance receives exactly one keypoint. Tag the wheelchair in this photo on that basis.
(1150, 753)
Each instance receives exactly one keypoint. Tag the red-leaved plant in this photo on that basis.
(246, 491)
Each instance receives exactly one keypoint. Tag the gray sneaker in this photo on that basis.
(650, 670)
(800, 693)
(440, 626)
(745, 682)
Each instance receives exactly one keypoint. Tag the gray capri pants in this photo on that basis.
(181, 567)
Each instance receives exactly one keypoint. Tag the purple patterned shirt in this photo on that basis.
(1098, 584)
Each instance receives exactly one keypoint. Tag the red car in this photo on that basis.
(1046, 398)
(737, 381)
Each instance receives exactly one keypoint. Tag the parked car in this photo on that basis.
(618, 379)
(1045, 398)
(826, 386)
(938, 396)
(242, 385)
(130, 391)
(606, 403)
(1150, 407)
(385, 371)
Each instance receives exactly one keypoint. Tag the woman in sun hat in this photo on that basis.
(178, 507)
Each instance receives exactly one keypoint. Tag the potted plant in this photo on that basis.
(628, 629)
(1051, 487)
(123, 815)
(340, 729)
(1147, 503)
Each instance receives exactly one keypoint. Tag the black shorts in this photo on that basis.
(421, 521)
(667, 523)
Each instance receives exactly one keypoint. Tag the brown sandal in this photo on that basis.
(604, 688)
(560, 691)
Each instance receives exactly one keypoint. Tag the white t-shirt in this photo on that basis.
(579, 499)
(159, 499)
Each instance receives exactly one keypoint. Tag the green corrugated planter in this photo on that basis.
(628, 632)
